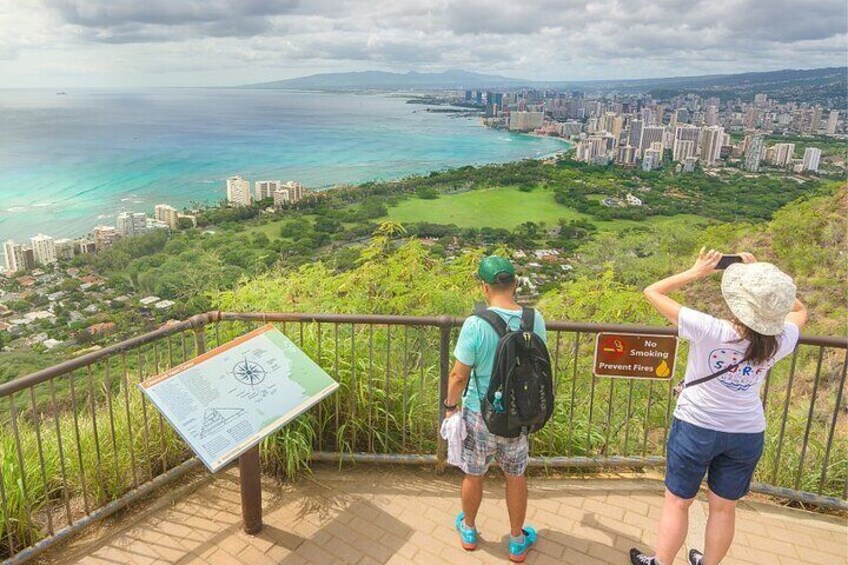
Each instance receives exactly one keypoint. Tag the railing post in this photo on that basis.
(251, 491)
(444, 372)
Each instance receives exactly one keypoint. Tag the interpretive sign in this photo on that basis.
(635, 356)
(225, 401)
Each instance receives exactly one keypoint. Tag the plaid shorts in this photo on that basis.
(480, 448)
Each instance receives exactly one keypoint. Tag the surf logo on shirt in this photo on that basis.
(739, 379)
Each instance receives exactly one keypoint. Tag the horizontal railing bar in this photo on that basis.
(200, 320)
(105, 511)
(455, 322)
(597, 462)
(385, 458)
(800, 496)
(66, 367)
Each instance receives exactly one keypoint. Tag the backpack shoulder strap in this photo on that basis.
(528, 319)
(493, 320)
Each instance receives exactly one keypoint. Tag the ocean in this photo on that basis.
(71, 162)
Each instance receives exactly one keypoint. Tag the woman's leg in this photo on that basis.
(674, 523)
(721, 525)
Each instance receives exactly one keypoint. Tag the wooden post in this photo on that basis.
(251, 491)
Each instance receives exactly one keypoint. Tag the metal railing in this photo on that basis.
(78, 441)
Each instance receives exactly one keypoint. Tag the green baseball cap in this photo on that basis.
(492, 266)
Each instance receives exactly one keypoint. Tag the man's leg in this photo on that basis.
(674, 523)
(721, 524)
(516, 502)
(472, 496)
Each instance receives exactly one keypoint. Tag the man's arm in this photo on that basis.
(457, 380)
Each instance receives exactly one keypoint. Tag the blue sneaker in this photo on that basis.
(467, 536)
(518, 551)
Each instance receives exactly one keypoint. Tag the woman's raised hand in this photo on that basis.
(706, 263)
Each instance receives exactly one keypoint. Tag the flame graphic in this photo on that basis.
(662, 369)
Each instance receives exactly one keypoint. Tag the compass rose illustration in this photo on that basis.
(249, 372)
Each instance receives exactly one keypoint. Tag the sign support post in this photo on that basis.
(250, 484)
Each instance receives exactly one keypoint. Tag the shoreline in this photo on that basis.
(215, 201)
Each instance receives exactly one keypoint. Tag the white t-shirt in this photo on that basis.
(731, 402)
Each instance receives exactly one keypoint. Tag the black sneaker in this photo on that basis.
(639, 558)
(695, 557)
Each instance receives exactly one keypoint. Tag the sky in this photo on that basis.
(146, 43)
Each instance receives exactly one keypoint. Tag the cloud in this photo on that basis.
(231, 41)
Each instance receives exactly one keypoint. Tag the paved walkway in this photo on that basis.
(367, 515)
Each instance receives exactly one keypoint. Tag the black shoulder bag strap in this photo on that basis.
(684, 385)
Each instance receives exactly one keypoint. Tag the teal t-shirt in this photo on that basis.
(476, 347)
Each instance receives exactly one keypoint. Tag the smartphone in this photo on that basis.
(727, 260)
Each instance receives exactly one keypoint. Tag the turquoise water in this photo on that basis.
(68, 163)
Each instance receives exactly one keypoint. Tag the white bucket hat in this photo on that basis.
(759, 294)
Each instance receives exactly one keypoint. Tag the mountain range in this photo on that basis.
(830, 78)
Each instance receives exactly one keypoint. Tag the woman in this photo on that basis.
(719, 424)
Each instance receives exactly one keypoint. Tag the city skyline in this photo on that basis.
(70, 43)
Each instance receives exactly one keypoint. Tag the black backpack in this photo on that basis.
(520, 398)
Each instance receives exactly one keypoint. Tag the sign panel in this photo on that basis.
(635, 356)
(226, 401)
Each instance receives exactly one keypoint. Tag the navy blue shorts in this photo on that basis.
(728, 460)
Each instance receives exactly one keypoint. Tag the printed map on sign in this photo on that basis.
(225, 401)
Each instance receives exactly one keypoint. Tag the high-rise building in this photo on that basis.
(29, 259)
(712, 116)
(683, 149)
(14, 253)
(648, 116)
(711, 142)
(104, 236)
(616, 127)
(625, 156)
(817, 115)
(832, 121)
(636, 133)
(652, 160)
(131, 224)
(567, 129)
(753, 152)
(65, 248)
(468, 95)
(760, 99)
(167, 214)
(593, 150)
(85, 246)
(685, 142)
(812, 156)
(238, 191)
(689, 164)
(651, 134)
(281, 197)
(525, 121)
(296, 190)
(265, 188)
(43, 249)
(783, 154)
(751, 117)
(658, 119)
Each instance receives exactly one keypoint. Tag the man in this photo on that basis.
(475, 350)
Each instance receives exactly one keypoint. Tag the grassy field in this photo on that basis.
(506, 207)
